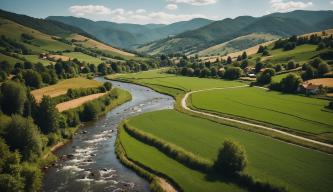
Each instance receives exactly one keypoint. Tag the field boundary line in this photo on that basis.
(184, 106)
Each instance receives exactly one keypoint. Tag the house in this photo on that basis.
(309, 88)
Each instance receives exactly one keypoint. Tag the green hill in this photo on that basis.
(129, 35)
(280, 24)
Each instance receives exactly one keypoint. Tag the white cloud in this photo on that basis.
(120, 15)
(81, 10)
(331, 2)
(172, 6)
(282, 5)
(194, 2)
(140, 11)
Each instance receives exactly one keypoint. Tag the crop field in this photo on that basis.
(180, 82)
(290, 111)
(282, 164)
(83, 57)
(62, 87)
(188, 179)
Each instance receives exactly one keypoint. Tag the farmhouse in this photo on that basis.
(309, 88)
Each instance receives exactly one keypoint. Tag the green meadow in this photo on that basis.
(83, 57)
(282, 164)
(294, 112)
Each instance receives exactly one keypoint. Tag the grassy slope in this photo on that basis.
(83, 57)
(270, 160)
(62, 87)
(291, 111)
(90, 43)
(238, 44)
(188, 179)
(11, 60)
(41, 42)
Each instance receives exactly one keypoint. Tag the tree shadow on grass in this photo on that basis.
(244, 181)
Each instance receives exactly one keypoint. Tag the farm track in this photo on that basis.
(184, 106)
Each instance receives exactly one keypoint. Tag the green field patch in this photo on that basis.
(290, 111)
(84, 58)
(279, 163)
(187, 179)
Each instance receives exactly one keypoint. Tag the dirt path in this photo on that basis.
(77, 102)
(183, 104)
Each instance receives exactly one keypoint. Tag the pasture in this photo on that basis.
(296, 113)
(188, 179)
(156, 77)
(282, 164)
(84, 58)
(61, 87)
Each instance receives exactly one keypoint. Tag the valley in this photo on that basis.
(231, 104)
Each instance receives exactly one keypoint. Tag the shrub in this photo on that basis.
(90, 111)
(266, 76)
(107, 85)
(231, 158)
(290, 83)
(233, 73)
(32, 177)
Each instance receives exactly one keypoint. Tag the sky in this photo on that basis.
(158, 11)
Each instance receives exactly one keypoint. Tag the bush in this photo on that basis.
(231, 158)
(233, 73)
(290, 83)
(32, 177)
(90, 111)
(107, 85)
(266, 76)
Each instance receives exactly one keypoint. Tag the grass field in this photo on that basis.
(9, 59)
(155, 77)
(62, 87)
(39, 44)
(36, 59)
(90, 43)
(84, 58)
(290, 111)
(188, 179)
(297, 168)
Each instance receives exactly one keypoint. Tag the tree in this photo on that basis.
(213, 72)
(309, 73)
(32, 78)
(32, 177)
(233, 73)
(244, 64)
(205, 72)
(13, 96)
(189, 71)
(278, 67)
(47, 116)
(261, 49)
(266, 76)
(315, 62)
(244, 55)
(23, 135)
(266, 53)
(107, 85)
(90, 111)
(291, 65)
(258, 67)
(229, 60)
(323, 68)
(102, 68)
(231, 158)
(290, 83)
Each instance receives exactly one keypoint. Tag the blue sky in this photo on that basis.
(158, 11)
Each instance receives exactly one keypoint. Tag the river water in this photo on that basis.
(89, 162)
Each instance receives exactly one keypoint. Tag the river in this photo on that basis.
(89, 162)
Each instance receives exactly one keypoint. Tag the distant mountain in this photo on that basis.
(45, 26)
(130, 35)
(279, 24)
